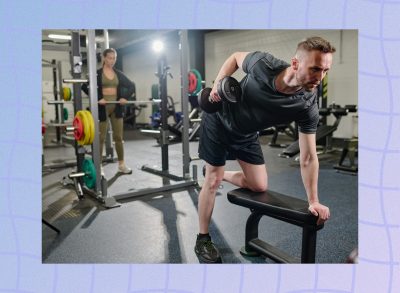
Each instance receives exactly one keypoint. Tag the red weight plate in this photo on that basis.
(78, 128)
(192, 82)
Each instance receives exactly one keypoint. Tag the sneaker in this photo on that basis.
(206, 251)
(124, 169)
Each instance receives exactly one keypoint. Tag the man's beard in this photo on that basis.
(309, 89)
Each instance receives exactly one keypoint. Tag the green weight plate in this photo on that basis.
(90, 173)
(66, 114)
(154, 92)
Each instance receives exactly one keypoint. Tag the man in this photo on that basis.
(274, 92)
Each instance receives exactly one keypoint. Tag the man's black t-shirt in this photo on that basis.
(262, 106)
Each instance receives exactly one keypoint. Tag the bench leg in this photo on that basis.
(308, 245)
(251, 233)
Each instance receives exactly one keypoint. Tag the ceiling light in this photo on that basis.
(158, 46)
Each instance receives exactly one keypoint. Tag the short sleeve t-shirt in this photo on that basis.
(262, 106)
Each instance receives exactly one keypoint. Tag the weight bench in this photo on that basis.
(282, 207)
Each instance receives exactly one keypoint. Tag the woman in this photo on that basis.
(112, 85)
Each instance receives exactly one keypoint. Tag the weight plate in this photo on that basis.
(154, 91)
(66, 93)
(90, 173)
(78, 128)
(230, 89)
(84, 139)
(204, 101)
(66, 114)
(91, 125)
(86, 127)
(192, 82)
(199, 79)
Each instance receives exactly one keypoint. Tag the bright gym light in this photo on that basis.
(158, 46)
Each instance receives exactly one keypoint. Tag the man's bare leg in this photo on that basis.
(253, 177)
(207, 195)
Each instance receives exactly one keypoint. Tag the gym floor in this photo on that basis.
(161, 228)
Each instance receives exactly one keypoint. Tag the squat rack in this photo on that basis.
(100, 190)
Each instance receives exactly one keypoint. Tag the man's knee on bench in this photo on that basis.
(260, 186)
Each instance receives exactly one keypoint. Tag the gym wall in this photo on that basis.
(343, 79)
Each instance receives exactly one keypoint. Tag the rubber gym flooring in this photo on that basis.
(161, 228)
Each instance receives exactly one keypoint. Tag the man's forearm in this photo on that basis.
(228, 68)
(309, 173)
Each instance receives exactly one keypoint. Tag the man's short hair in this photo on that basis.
(316, 43)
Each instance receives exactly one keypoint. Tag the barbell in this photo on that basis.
(54, 102)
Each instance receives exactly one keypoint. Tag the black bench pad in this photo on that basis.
(273, 204)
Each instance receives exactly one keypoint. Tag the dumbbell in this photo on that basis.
(351, 108)
(228, 89)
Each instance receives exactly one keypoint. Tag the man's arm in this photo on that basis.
(229, 67)
(309, 172)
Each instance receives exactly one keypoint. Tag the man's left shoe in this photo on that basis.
(124, 169)
(206, 251)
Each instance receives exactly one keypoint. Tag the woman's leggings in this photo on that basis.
(117, 125)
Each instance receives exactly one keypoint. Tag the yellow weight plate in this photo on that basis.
(66, 93)
(86, 133)
(90, 120)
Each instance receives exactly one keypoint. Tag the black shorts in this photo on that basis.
(217, 144)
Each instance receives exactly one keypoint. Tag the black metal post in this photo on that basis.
(56, 108)
(162, 75)
(76, 65)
